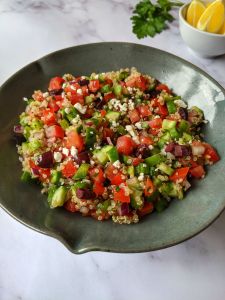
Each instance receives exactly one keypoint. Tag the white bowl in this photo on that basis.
(201, 42)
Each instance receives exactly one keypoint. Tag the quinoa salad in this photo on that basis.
(117, 145)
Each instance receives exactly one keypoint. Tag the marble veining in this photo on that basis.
(36, 267)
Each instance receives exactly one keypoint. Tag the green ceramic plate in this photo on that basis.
(182, 220)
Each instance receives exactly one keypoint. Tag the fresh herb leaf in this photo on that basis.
(149, 19)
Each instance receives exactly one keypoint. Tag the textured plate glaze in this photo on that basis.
(182, 220)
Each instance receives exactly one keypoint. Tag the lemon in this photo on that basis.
(212, 18)
(222, 29)
(194, 12)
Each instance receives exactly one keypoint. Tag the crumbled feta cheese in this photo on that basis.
(65, 151)
(46, 94)
(76, 120)
(57, 156)
(72, 88)
(180, 103)
(117, 164)
(67, 110)
(141, 177)
(73, 151)
(133, 134)
(150, 147)
(25, 99)
(82, 109)
(138, 125)
(79, 91)
(92, 162)
(130, 104)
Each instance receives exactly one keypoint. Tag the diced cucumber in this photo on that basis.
(165, 168)
(113, 154)
(130, 171)
(154, 160)
(153, 196)
(168, 124)
(64, 123)
(59, 197)
(121, 130)
(142, 168)
(55, 176)
(136, 200)
(26, 131)
(174, 133)
(90, 137)
(170, 189)
(171, 107)
(123, 75)
(106, 148)
(82, 172)
(36, 124)
(117, 88)
(106, 88)
(161, 204)
(26, 177)
(72, 114)
(104, 205)
(134, 184)
(163, 139)
(127, 159)
(183, 126)
(79, 185)
(101, 156)
(89, 99)
(112, 116)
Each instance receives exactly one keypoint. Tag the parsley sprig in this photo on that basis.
(149, 19)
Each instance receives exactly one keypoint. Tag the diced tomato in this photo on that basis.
(146, 140)
(109, 96)
(138, 82)
(141, 83)
(118, 178)
(77, 98)
(94, 85)
(125, 145)
(114, 175)
(179, 174)
(48, 116)
(56, 83)
(136, 161)
(197, 172)
(69, 169)
(146, 209)
(97, 174)
(155, 123)
(134, 116)
(107, 132)
(155, 102)
(54, 131)
(109, 81)
(103, 112)
(74, 139)
(120, 195)
(38, 96)
(211, 152)
(70, 206)
(149, 187)
(53, 105)
(163, 87)
(98, 188)
(85, 90)
(144, 110)
(44, 174)
(162, 110)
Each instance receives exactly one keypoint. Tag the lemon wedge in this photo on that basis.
(194, 12)
(222, 29)
(212, 18)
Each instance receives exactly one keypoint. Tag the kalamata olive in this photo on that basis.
(83, 82)
(82, 157)
(183, 113)
(45, 160)
(99, 103)
(170, 147)
(35, 171)
(181, 150)
(107, 182)
(55, 92)
(18, 134)
(124, 209)
(85, 194)
(142, 150)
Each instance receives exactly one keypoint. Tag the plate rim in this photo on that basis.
(100, 248)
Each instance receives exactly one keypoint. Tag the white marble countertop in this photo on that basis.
(36, 267)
